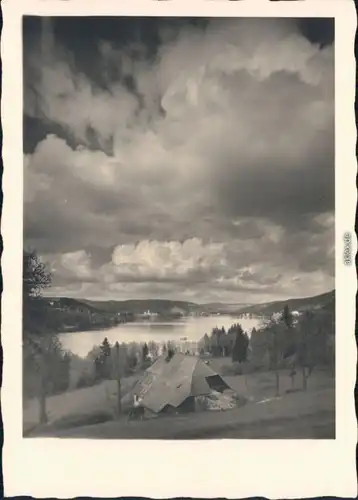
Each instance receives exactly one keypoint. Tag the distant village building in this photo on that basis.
(148, 315)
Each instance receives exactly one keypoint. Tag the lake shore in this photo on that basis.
(191, 328)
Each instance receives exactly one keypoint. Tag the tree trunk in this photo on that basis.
(246, 384)
(43, 419)
(304, 362)
(292, 375)
(304, 378)
(119, 391)
(277, 375)
(294, 371)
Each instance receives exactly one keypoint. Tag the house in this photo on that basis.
(175, 383)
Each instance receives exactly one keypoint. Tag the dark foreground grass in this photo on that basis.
(298, 415)
(71, 422)
(317, 426)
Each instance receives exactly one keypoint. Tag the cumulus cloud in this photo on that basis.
(168, 260)
(210, 162)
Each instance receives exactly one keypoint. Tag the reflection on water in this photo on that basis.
(193, 328)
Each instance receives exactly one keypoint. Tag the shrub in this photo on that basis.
(146, 364)
(238, 368)
(86, 379)
(81, 372)
(239, 399)
(129, 371)
(201, 403)
(232, 369)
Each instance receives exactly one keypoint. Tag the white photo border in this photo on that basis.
(65, 468)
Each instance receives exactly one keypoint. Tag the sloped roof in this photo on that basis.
(172, 382)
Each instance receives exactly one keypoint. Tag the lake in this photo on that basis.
(194, 328)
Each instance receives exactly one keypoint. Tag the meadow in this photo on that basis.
(295, 414)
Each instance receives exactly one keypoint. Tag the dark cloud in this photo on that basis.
(285, 197)
(318, 30)
(182, 158)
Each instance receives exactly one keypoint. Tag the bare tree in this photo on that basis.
(287, 319)
(275, 356)
(118, 377)
(276, 346)
(37, 341)
(304, 349)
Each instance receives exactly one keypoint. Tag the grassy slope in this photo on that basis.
(297, 414)
(76, 404)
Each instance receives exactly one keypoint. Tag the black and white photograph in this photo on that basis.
(179, 216)
(178, 266)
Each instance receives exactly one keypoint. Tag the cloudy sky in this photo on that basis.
(179, 158)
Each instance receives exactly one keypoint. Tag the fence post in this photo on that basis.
(118, 376)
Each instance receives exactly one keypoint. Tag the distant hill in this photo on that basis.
(160, 306)
(129, 306)
(223, 308)
(72, 304)
(113, 307)
(323, 301)
(166, 307)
